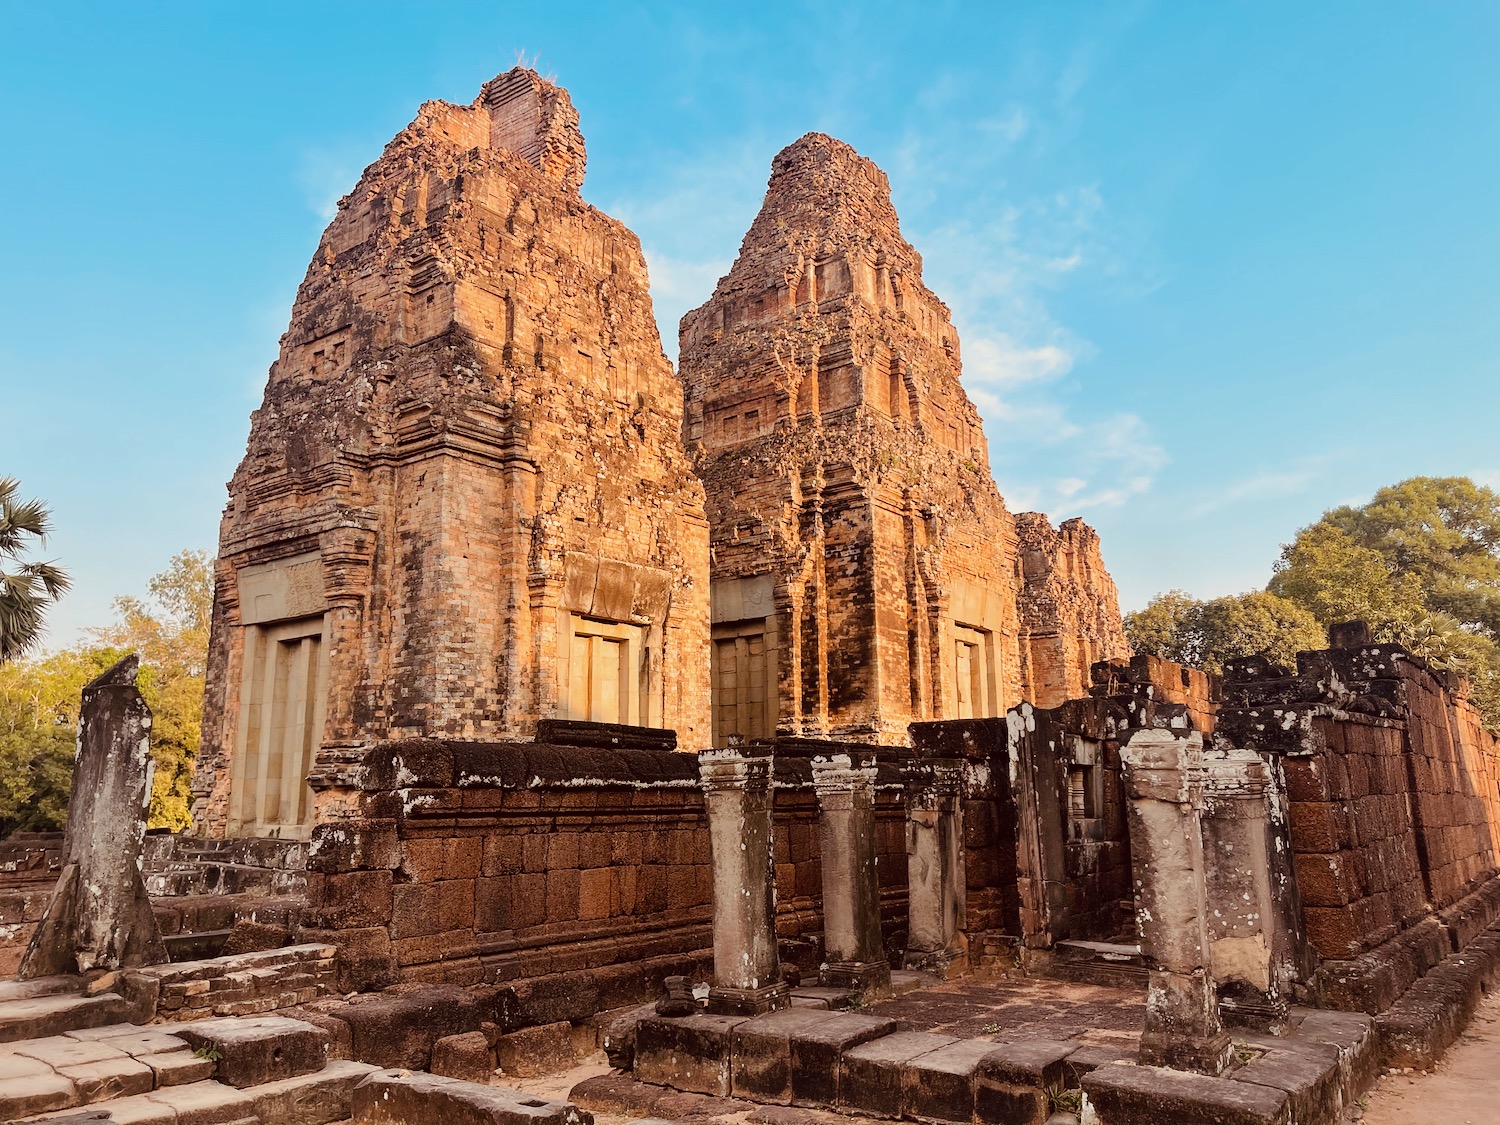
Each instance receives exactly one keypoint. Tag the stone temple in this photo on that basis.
(721, 718)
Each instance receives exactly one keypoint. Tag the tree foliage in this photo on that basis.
(1420, 563)
(40, 699)
(1205, 634)
(39, 702)
(170, 632)
(26, 588)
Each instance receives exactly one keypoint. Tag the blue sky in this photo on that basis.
(1216, 267)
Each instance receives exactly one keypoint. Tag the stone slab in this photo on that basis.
(817, 1049)
(1011, 1083)
(41, 1016)
(762, 1053)
(940, 1085)
(205, 1103)
(258, 1049)
(35, 1093)
(109, 1078)
(393, 1097)
(59, 1050)
(871, 1078)
(311, 1099)
(1119, 1094)
(690, 1053)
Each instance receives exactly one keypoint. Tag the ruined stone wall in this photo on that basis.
(549, 867)
(466, 471)
(1389, 782)
(1069, 608)
(857, 533)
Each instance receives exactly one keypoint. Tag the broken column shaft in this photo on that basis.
(1164, 794)
(737, 797)
(99, 917)
(853, 950)
(935, 941)
(1252, 968)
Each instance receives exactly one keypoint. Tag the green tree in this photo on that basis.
(1206, 634)
(170, 632)
(26, 588)
(39, 702)
(1421, 564)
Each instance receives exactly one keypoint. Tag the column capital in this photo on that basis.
(735, 767)
(844, 773)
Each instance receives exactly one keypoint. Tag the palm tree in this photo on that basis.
(26, 588)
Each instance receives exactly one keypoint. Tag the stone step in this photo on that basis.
(90, 1065)
(41, 986)
(306, 1099)
(251, 1051)
(404, 1097)
(56, 1014)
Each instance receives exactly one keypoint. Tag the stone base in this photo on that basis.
(1254, 1010)
(868, 977)
(749, 1001)
(945, 964)
(1179, 1052)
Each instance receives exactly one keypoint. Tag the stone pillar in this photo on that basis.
(1164, 795)
(854, 951)
(1252, 968)
(737, 797)
(99, 917)
(935, 941)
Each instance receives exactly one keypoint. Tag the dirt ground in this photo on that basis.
(1463, 1090)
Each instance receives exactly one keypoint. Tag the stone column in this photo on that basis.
(935, 941)
(853, 948)
(1251, 967)
(737, 797)
(1164, 794)
(99, 917)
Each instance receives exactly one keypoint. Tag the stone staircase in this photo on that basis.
(67, 1057)
(194, 865)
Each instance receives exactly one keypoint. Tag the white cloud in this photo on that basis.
(999, 361)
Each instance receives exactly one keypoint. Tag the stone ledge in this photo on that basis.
(1121, 1094)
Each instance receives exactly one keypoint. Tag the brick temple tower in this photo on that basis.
(866, 572)
(465, 505)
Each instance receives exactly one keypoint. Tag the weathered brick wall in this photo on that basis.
(1350, 814)
(1390, 783)
(1450, 766)
(515, 864)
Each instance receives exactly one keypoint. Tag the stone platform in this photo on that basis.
(1007, 1053)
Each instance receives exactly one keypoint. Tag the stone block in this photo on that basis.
(401, 1098)
(261, 1049)
(1012, 1081)
(940, 1085)
(534, 1051)
(692, 1053)
(311, 1099)
(762, 1053)
(872, 1073)
(466, 1057)
(817, 1049)
(111, 1078)
(202, 1103)
(26, 1094)
(1307, 1072)
(1149, 1095)
(398, 1029)
(178, 1068)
